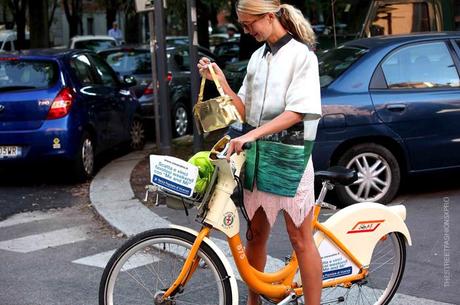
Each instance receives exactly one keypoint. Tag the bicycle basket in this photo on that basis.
(179, 180)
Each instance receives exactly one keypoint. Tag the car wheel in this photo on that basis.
(379, 174)
(180, 120)
(137, 134)
(83, 165)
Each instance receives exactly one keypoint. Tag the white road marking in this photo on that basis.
(41, 241)
(97, 260)
(101, 259)
(27, 218)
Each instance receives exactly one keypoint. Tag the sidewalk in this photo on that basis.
(112, 195)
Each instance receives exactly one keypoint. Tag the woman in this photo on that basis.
(280, 100)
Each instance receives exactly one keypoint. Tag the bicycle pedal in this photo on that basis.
(150, 189)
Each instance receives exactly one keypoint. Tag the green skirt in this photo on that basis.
(276, 167)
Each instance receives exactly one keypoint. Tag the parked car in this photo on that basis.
(64, 104)
(136, 61)
(228, 51)
(391, 108)
(8, 40)
(92, 42)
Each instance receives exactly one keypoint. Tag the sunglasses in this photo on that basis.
(247, 26)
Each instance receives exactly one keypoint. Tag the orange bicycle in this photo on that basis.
(363, 250)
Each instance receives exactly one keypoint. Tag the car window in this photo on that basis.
(7, 46)
(94, 45)
(81, 66)
(181, 59)
(334, 62)
(129, 62)
(26, 74)
(104, 72)
(427, 65)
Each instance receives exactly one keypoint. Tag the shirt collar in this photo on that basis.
(274, 48)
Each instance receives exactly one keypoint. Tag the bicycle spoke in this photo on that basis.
(140, 283)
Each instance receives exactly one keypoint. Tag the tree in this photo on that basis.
(38, 17)
(52, 6)
(18, 9)
(111, 9)
(73, 12)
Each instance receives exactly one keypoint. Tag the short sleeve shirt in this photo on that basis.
(287, 80)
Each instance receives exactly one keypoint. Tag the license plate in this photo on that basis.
(10, 152)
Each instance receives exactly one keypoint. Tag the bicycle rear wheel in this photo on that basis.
(385, 273)
(147, 264)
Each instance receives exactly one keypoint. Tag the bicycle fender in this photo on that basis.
(222, 257)
(360, 226)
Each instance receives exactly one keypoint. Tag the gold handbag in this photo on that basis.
(215, 113)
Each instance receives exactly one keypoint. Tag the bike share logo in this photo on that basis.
(229, 219)
(366, 226)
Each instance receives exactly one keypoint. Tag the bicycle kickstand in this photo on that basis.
(289, 299)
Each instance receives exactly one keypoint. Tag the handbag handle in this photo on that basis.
(203, 82)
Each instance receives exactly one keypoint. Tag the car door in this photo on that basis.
(94, 99)
(420, 100)
(118, 126)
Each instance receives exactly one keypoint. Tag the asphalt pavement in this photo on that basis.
(113, 198)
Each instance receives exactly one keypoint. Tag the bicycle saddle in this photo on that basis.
(338, 175)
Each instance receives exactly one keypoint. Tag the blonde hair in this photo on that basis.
(290, 17)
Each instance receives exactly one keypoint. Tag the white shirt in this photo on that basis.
(285, 81)
(115, 33)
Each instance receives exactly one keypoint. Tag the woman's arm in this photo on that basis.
(279, 123)
(203, 68)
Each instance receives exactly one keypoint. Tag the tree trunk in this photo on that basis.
(52, 12)
(18, 8)
(133, 32)
(73, 15)
(38, 17)
(111, 9)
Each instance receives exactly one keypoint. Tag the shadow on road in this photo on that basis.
(50, 172)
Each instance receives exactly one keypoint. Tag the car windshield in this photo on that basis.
(95, 45)
(129, 62)
(26, 74)
(334, 62)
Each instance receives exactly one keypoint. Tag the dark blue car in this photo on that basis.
(64, 104)
(391, 107)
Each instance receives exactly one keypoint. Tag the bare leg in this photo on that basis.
(256, 248)
(308, 257)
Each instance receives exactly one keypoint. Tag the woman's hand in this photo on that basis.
(203, 69)
(236, 145)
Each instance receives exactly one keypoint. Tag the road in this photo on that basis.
(49, 236)
(56, 256)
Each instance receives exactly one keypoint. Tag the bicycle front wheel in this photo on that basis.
(385, 273)
(147, 264)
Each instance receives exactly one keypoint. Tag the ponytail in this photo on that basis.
(295, 23)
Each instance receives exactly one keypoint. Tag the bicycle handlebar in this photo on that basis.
(247, 145)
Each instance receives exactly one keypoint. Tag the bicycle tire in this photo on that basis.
(148, 263)
(379, 287)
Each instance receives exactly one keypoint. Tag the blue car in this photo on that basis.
(64, 104)
(391, 108)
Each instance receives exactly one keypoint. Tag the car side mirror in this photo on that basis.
(129, 81)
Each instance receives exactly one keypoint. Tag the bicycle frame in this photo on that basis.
(351, 233)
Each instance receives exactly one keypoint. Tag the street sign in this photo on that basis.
(144, 5)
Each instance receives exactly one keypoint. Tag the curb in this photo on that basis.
(112, 197)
